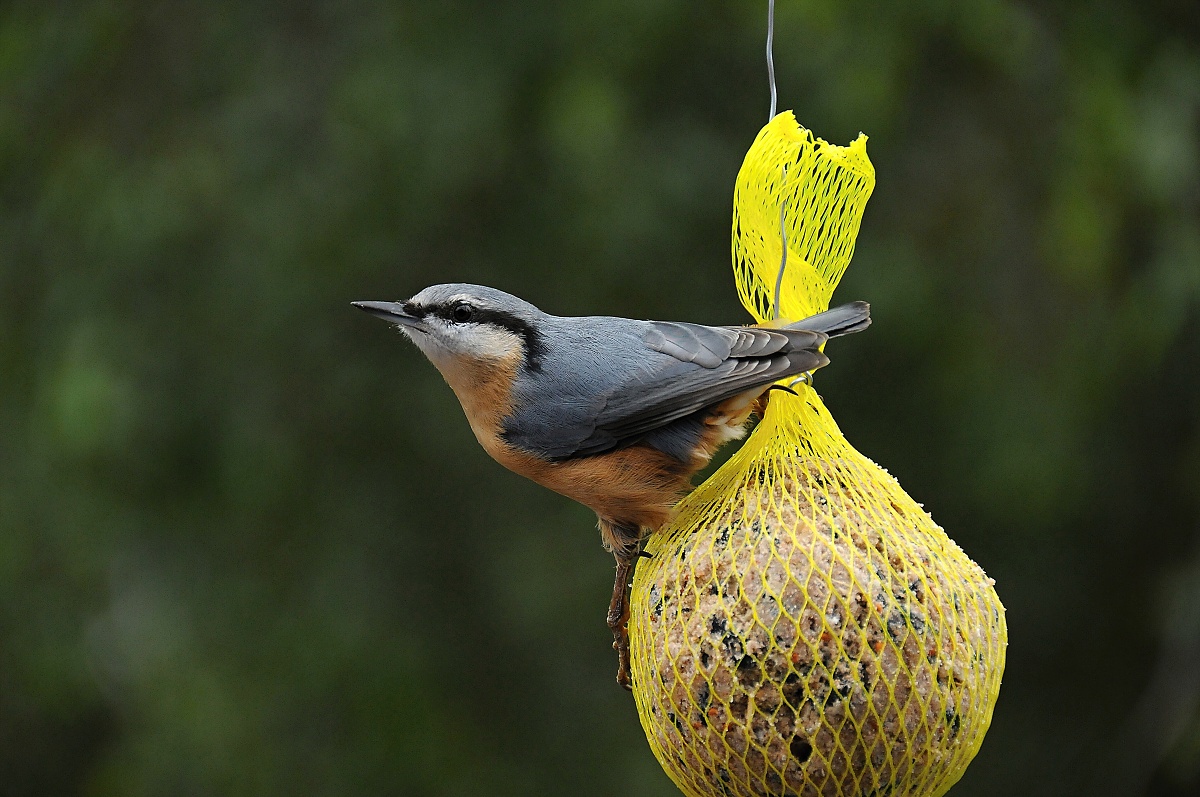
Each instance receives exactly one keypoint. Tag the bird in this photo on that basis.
(615, 413)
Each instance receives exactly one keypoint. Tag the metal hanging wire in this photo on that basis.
(783, 180)
(771, 54)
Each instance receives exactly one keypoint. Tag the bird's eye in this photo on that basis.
(462, 312)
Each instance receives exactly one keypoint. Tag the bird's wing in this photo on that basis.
(703, 366)
(756, 357)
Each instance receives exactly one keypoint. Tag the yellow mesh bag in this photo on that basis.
(803, 627)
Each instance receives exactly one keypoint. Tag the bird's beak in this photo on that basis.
(390, 311)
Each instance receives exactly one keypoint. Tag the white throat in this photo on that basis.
(450, 345)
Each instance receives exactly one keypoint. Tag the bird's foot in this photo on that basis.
(618, 616)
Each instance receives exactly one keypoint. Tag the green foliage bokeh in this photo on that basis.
(248, 544)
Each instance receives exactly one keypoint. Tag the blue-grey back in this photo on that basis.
(584, 362)
(602, 382)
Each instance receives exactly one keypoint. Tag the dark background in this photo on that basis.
(248, 545)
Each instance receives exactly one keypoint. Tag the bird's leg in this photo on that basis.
(618, 619)
(625, 544)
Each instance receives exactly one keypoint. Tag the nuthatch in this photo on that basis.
(614, 413)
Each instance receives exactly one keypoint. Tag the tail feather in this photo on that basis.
(843, 320)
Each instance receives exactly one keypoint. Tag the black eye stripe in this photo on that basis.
(445, 311)
(530, 337)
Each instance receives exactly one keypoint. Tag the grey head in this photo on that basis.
(457, 321)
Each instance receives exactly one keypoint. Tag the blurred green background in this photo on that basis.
(248, 544)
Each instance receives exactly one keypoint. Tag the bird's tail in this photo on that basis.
(843, 320)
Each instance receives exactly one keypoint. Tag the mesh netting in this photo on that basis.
(803, 626)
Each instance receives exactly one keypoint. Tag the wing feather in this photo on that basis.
(630, 413)
(681, 370)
